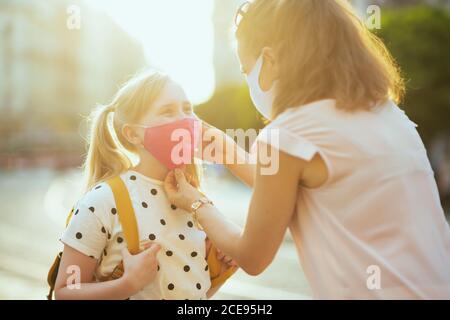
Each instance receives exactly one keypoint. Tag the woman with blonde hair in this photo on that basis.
(354, 185)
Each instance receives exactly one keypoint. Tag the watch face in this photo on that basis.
(196, 205)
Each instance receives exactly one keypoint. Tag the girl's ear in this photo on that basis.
(133, 135)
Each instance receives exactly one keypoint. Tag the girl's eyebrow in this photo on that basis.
(173, 104)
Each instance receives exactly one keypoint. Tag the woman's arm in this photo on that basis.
(76, 271)
(272, 205)
(227, 152)
(241, 168)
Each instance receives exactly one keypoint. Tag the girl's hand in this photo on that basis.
(179, 191)
(226, 261)
(140, 269)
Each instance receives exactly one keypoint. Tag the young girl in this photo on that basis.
(172, 263)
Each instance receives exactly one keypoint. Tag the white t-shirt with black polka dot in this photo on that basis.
(95, 231)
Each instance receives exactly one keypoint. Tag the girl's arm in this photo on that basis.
(272, 205)
(75, 276)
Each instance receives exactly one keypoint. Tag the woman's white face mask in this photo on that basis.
(263, 100)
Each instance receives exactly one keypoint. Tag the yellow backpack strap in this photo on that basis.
(69, 216)
(126, 214)
(215, 267)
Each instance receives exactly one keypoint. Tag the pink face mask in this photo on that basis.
(173, 144)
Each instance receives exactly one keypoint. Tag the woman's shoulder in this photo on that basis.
(301, 131)
(314, 113)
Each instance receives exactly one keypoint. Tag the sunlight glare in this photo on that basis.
(177, 36)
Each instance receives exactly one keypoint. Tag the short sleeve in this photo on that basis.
(89, 228)
(304, 132)
(286, 141)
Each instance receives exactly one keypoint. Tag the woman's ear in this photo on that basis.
(132, 136)
(270, 68)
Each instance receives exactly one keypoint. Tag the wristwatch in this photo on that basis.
(200, 202)
(197, 205)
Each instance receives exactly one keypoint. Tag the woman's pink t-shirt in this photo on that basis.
(376, 229)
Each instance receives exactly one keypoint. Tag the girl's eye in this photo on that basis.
(167, 113)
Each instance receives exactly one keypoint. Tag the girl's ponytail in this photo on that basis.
(105, 159)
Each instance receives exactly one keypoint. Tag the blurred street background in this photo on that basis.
(59, 58)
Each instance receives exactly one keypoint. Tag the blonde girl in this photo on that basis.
(354, 185)
(172, 262)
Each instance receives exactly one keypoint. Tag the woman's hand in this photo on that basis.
(140, 269)
(219, 148)
(215, 140)
(179, 191)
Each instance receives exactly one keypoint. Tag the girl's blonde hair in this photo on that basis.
(107, 154)
(324, 51)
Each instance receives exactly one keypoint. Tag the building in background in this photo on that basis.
(226, 63)
(50, 76)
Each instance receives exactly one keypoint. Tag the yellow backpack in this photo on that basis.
(128, 221)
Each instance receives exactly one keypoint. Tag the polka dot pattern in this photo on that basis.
(166, 225)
